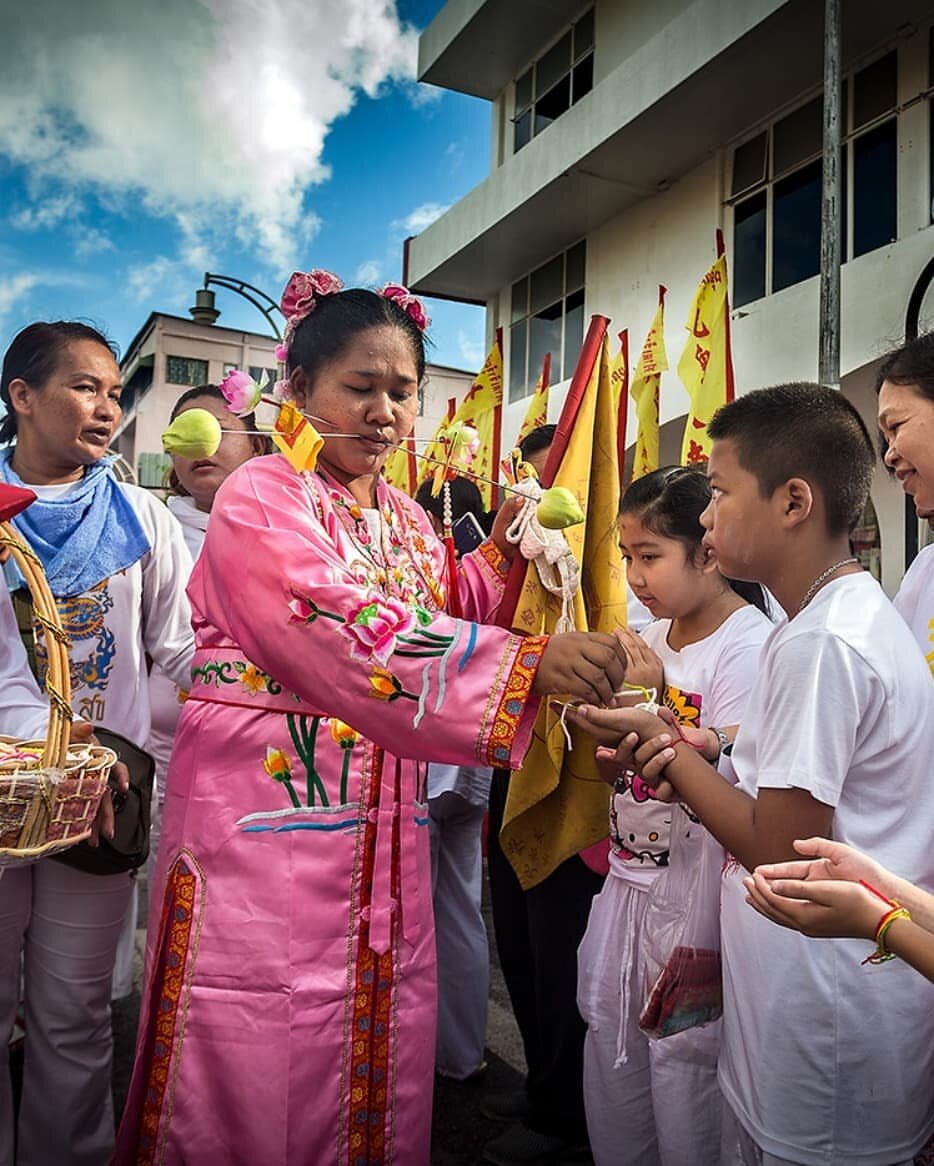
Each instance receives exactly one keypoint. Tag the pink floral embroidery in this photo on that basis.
(373, 625)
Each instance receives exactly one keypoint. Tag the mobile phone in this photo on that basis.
(468, 533)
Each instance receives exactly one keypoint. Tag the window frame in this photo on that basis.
(849, 139)
(576, 57)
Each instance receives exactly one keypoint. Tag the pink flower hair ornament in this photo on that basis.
(410, 304)
(301, 294)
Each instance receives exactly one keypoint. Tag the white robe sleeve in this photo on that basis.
(24, 712)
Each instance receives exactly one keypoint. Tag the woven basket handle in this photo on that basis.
(58, 682)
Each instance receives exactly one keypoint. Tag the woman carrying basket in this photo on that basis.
(117, 565)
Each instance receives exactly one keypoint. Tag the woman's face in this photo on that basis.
(370, 389)
(906, 418)
(67, 423)
(202, 477)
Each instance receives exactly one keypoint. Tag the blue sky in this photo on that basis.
(143, 145)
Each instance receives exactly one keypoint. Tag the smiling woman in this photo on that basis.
(117, 566)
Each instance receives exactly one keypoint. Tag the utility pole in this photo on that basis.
(830, 245)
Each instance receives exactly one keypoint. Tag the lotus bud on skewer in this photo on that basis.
(241, 392)
(196, 433)
(558, 509)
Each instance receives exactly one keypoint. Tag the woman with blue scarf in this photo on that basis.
(118, 565)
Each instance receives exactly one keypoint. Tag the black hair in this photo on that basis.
(33, 357)
(336, 319)
(171, 481)
(803, 430)
(539, 439)
(670, 502)
(465, 498)
(912, 364)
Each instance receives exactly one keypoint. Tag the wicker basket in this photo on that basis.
(49, 793)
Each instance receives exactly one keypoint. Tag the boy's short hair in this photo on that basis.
(807, 431)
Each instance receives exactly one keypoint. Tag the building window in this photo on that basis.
(257, 374)
(776, 185)
(547, 315)
(185, 370)
(555, 82)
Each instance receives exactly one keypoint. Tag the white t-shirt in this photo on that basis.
(825, 1060)
(140, 610)
(24, 712)
(915, 602)
(707, 683)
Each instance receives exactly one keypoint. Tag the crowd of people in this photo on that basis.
(741, 973)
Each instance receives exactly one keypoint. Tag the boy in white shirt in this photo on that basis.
(823, 1060)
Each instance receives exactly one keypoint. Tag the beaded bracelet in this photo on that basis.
(896, 911)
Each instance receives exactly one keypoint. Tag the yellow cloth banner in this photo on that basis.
(703, 367)
(557, 804)
(481, 409)
(297, 437)
(537, 412)
(644, 391)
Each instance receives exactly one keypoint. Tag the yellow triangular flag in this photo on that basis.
(537, 413)
(704, 365)
(479, 409)
(644, 391)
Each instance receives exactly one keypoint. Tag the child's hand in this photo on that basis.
(816, 907)
(831, 860)
(645, 666)
(609, 726)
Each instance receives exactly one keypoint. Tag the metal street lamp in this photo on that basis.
(204, 311)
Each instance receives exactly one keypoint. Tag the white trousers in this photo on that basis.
(456, 827)
(66, 924)
(648, 1102)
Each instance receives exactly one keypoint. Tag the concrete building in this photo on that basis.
(625, 132)
(170, 354)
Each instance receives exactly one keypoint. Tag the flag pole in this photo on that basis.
(622, 411)
(590, 350)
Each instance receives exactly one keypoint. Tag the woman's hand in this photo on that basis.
(644, 665)
(505, 517)
(588, 666)
(82, 733)
(824, 859)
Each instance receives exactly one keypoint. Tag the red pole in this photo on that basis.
(497, 428)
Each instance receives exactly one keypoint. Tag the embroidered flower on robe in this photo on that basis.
(342, 734)
(252, 679)
(277, 764)
(383, 685)
(373, 625)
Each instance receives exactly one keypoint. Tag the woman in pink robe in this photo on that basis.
(289, 1011)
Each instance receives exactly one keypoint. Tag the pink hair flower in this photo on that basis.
(241, 392)
(302, 292)
(409, 303)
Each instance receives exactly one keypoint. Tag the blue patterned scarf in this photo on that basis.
(84, 537)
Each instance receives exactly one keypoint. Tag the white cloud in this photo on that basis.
(470, 348)
(90, 241)
(14, 287)
(160, 273)
(369, 273)
(213, 113)
(423, 216)
(48, 212)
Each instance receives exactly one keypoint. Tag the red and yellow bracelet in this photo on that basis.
(896, 911)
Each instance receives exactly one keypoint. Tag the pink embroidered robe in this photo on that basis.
(289, 1010)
